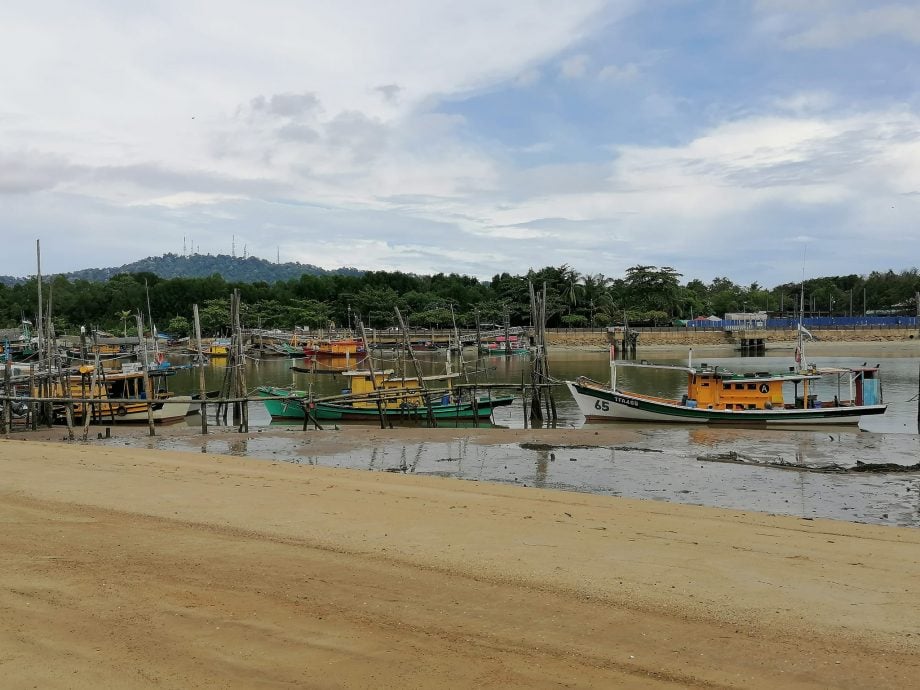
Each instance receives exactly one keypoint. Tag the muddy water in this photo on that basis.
(665, 463)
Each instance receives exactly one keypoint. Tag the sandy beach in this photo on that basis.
(136, 568)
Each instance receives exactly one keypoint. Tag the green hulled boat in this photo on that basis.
(398, 397)
(283, 404)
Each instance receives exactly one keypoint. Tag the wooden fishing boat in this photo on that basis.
(398, 397)
(337, 347)
(120, 397)
(717, 396)
(499, 346)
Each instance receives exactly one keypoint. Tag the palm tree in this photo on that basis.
(124, 315)
(573, 285)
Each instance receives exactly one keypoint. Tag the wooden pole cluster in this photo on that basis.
(542, 391)
(370, 367)
(202, 384)
(234, 385)
(418, 369)
(8, 389)
(145, 363)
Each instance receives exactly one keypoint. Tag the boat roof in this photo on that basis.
(390, 375)
(724, 374)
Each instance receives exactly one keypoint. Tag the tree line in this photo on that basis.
(644, 295)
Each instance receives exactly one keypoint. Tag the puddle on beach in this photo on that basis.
(664, 465)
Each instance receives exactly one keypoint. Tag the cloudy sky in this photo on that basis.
(723, 138)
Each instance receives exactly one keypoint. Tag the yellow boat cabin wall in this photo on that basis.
(713, 391)
(396, 391)
(118, 386)
(218, 348)
(105, 349)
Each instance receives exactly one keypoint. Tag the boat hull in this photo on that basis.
(291, 409)
(166, 411)
(599, 403)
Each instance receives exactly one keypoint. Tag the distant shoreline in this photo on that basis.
(684, 338)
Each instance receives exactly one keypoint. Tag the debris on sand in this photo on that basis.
(778, 462)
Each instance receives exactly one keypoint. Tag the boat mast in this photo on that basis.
(38, 280)
(613, 368)
(153, 328)
(800, 340)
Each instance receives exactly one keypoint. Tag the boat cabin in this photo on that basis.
(396, 391)
(712, 389)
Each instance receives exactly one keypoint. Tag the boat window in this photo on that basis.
(752, 386)
(727, 386)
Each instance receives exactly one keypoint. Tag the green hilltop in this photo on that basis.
(233, 269)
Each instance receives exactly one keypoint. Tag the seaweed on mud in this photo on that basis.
(779, 463)
(552, 446)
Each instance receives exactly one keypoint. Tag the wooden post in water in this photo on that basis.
(244, 388)
(541, 394)
(8, 389)
(536, 402)
(202, 385)
(370, 368)
(33, 407)
(148, 390)
(38, 277)
(418, 370)
(68, 408)
(88, 405)
(232, 360)
(241, 408)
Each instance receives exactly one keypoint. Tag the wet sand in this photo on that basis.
(135, 568)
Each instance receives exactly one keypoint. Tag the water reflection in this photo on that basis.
(663, 465)
(899, 372)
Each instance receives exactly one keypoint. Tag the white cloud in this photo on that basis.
(575, 67)
(317, 129)
(184, 199)
(619, 73)
(831, 24)
(805, 102)
(527, 78)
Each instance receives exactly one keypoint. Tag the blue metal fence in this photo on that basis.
(811, 322)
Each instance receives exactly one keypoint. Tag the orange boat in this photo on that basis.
(341, 347)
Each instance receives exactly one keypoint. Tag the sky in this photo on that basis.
(750, 139)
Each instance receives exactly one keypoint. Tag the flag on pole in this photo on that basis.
(798, 356)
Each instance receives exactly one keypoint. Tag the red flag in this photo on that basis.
(798, 356)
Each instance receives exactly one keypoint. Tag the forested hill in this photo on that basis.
(233, 269)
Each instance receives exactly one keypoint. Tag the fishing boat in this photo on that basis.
(334, 347)
(18, 344)
(120, 397)
(500, 346)
(218, 347)
(397, 397)
(715, 395)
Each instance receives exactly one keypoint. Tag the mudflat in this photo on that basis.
(136, 568)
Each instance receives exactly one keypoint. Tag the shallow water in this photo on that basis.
(664, 465)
